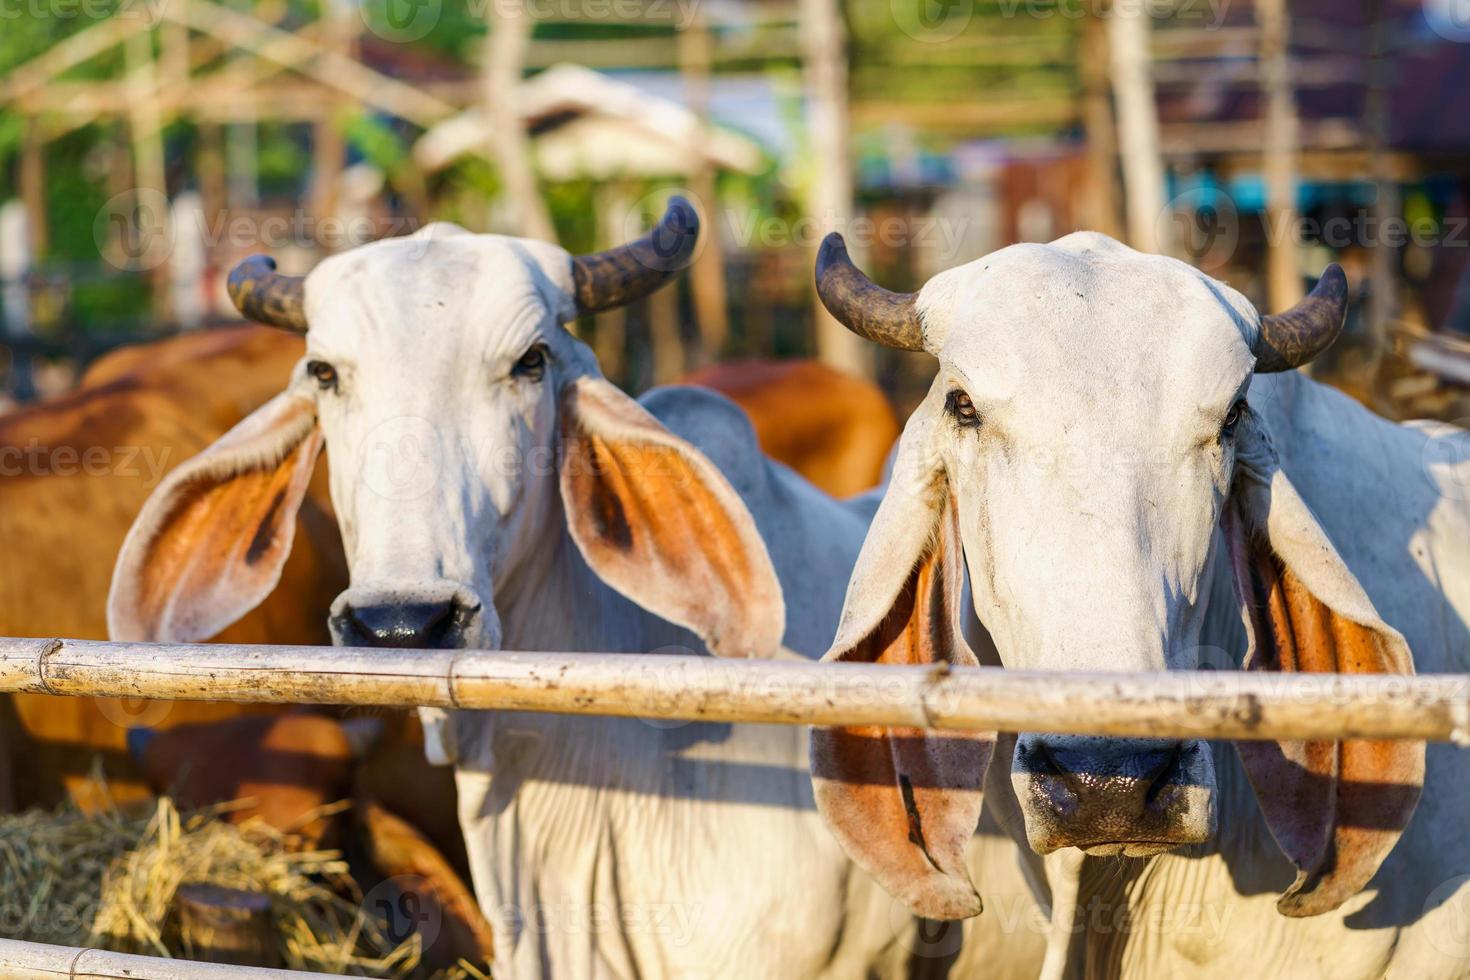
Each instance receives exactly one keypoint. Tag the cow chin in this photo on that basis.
(1114, 797)
(435, 615)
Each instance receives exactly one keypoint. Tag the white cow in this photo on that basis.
(1116, 449)
(494, 490)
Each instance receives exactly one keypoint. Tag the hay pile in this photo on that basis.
(108, 880)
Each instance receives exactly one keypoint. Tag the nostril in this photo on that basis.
(403, 625)
(1165, 772)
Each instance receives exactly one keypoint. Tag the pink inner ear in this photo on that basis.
(1335, 808)
(905, 802)
(657, 522)
(210, 543)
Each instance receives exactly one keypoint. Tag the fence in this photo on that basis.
(786, 690)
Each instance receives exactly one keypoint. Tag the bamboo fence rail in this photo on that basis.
(788, 690)
(38, 960)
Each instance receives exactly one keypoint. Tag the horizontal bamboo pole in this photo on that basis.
(793, 691)
(31, 960)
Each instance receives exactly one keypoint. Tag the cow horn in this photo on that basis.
(262, 294)
(863, 306)
(618, 276)
(1289, 340)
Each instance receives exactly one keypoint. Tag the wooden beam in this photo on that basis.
(1129, 27)
(1279, 155)
(829, 179)
(510, 145)
(787, 689)
(40, 961)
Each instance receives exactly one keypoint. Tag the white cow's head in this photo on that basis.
(1085, 449)
(467, 428)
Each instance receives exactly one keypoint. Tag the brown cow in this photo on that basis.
(832, 428)
(73, 474)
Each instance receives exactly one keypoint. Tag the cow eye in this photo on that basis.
(1232, 419)
(962, 409)
(532, 364)
(324, 373)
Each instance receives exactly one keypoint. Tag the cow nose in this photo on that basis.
(408, 625)
(1109, 796)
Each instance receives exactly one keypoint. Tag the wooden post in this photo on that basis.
(510, 146)
(1138, 124)
(328, 147)
(610, 327)
(669, 363)
(1279, 155)
(707, 275)
(33, 186)
(22, 959)
(830, 178)
(1099, 198)
(1383, 308)
(226, 925)
(145, 130)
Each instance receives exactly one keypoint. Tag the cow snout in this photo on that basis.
(1133, 797)
(420, 619)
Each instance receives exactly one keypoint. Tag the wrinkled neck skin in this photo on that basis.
(614, 847)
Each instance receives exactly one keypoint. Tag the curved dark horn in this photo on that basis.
(1289, 340)
(863, 306)
(618, 276)
(262, 294)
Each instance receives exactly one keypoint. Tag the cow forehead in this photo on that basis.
(1087, 317)
(442, 283)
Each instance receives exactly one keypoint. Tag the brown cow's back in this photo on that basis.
(74, 472)
(832, 428)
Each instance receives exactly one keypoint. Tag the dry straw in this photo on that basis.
(107, 880)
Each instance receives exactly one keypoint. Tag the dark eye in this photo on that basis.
(324, 373)
(1232, 418)
(532, 364)
(963, 410)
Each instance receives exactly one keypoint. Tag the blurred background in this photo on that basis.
(148, 145)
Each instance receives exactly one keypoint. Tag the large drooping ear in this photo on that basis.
(904, 802)
(657, 522)
(210, 542)
(1335, 808)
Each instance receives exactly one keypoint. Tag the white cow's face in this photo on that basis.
(470, 435)
(1084, 452)
(1090, 454)
(436, 364)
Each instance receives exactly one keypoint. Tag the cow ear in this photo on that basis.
(658, 523)
(210, 542)
(1335, 808)
(904, 802)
